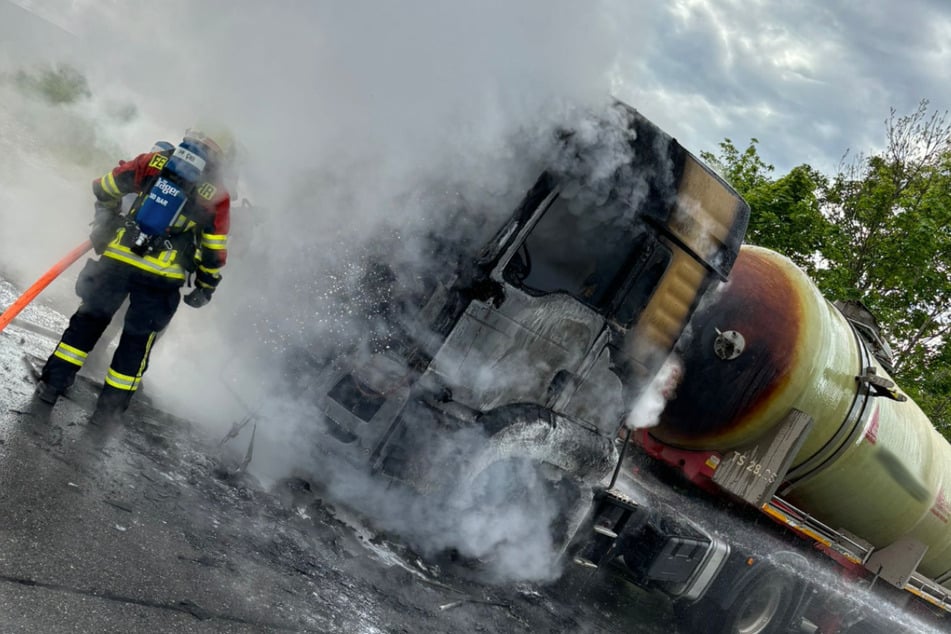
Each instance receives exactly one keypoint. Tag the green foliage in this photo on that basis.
(73, 134)
(744, 171)
(893, 247)
(56, 85)
(878, 231)
(786, 212)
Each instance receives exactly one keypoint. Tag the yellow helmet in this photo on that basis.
(217, 138)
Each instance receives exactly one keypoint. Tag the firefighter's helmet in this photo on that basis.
(217, 138)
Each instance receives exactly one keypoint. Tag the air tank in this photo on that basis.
(766, 343)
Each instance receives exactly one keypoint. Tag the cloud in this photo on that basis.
(809, 79)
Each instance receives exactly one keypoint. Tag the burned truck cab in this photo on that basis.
(534, 350)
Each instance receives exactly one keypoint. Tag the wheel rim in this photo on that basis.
(760, 607)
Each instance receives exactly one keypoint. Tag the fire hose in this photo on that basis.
(30, 294)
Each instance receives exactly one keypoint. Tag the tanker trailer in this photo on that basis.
(782, 404)
(521, 357)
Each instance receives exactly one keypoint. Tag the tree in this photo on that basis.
(786, 213)
(56, 85)
(744, 170)
(892, 249)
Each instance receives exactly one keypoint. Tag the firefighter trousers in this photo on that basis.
(102, 286)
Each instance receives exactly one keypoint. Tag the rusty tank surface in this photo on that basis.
(768, 343)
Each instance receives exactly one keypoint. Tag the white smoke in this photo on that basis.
(501, 522)
(357, 121)
(647, 408)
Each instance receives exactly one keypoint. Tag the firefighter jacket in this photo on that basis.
(196, 241)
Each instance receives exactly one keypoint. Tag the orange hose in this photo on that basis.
(30, 294)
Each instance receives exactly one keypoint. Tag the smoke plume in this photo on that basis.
(360, 124)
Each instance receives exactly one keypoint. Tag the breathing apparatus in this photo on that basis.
(165, 201)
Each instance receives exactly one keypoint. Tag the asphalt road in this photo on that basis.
(145, 528)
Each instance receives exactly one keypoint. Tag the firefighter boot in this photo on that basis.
(110, 406)
(42, 402)
(46, 393)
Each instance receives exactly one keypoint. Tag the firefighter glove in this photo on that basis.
(104, 226)
(199, 297)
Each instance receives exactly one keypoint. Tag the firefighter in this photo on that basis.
(175, 230)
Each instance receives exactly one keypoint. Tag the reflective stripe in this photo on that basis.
(171, 270)
(214, 241)
(207, 273)
(70, 354)
(145, 358)
(122, 381)
(131, 383)
(206, 191)
(108, 183)
(164, 265)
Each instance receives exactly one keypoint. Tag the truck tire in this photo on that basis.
(764, 602)
(520, 493)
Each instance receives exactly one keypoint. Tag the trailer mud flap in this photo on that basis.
(754, 472)
(898, 561)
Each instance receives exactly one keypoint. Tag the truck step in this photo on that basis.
(584, 562)
(604, 530)
(620, 499)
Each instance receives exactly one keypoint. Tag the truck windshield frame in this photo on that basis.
(604, 255)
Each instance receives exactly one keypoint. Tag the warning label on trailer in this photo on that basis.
(871, 433)
(941, 508)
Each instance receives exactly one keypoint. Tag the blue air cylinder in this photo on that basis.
(170, 192)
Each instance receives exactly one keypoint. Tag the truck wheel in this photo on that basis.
(520, 495)
(765, 603)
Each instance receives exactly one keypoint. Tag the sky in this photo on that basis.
(809, 79)
(360, 119)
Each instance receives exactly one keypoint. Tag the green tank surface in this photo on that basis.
(871, 463)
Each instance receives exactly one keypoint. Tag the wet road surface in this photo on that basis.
(142, 528)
